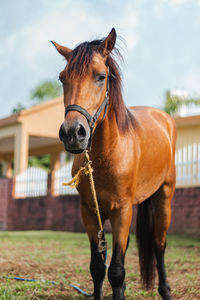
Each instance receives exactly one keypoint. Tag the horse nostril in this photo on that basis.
(81, 132)
(73, 136)
(61, 133)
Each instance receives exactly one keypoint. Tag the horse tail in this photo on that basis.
(145, 242)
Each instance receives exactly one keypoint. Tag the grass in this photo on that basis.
(64, 258)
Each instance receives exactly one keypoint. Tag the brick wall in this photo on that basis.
(53, 213)
(36, 213)
(186, 211)
(63, 212)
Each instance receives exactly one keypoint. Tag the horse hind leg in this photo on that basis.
(153, 220)
(162, 217)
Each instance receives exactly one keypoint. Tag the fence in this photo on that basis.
(63, 175)
(31, 183)
(52, 212)
(188, 165)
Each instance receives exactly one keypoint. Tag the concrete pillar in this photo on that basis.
(7, 168)
(21, 151)
(54, 166)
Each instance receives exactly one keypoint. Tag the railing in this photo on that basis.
(187, 173)
(188, 165)
(63, 175)
(31, 183)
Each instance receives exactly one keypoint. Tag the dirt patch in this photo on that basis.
(54, 263)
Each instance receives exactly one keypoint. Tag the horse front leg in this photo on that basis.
(120, 221)
(97, 266)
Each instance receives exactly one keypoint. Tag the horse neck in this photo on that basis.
(105, 136)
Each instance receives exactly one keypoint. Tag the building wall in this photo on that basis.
(63, 212)
(187, 135)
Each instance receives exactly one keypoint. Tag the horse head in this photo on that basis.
(85, 81)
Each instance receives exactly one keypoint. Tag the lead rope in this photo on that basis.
(102, 244)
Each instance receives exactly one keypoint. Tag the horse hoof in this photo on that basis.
(164, 291)
(118, 293)
(166, 297)
(124, 286)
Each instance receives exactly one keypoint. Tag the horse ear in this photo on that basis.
(66, 52)
(109, 42)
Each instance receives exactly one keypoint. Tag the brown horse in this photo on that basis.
(132, 152)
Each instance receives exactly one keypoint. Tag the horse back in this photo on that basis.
(156, 138)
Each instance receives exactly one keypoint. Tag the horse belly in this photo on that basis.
(153, 167)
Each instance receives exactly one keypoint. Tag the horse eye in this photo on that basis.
(100, 78)
(61, 77)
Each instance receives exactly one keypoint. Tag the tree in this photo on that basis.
(40, 161)
(173, 103)
(45, 91)
(16, 109)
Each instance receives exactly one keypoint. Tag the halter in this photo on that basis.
(92, 119)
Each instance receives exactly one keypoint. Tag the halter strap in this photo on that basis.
(92, 119)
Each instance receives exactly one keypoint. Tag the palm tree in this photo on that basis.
(173, 103)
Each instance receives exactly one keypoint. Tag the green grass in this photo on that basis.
(64, 258)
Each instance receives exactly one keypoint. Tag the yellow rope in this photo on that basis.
(76, 179)
(91, 178)
(88, 170)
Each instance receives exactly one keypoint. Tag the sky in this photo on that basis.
(161, 50)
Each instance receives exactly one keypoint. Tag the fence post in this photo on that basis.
(50, 202)
(55, 165)
(49, 184)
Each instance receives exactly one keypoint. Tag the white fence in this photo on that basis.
(31, 183)
(188, 165)
(63, 175)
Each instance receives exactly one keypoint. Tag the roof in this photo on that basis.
(187, 121)
(9, 120)
(16, 118)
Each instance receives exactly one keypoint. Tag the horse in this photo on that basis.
(133, 156)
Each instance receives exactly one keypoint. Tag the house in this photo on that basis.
(188, 151)
(33, 131)
(34, 199)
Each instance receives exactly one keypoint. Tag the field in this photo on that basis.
(64, 258)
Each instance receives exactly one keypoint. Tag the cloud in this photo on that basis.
(175, 3)
(26, 49)
(68, 24)
(161, 38)
(191, 82)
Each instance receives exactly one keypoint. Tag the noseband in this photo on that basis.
(92, 119)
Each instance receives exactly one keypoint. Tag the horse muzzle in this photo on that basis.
(74, 137)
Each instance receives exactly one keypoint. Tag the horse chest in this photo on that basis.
(113, 190)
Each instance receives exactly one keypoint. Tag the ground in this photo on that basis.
(64, 258)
